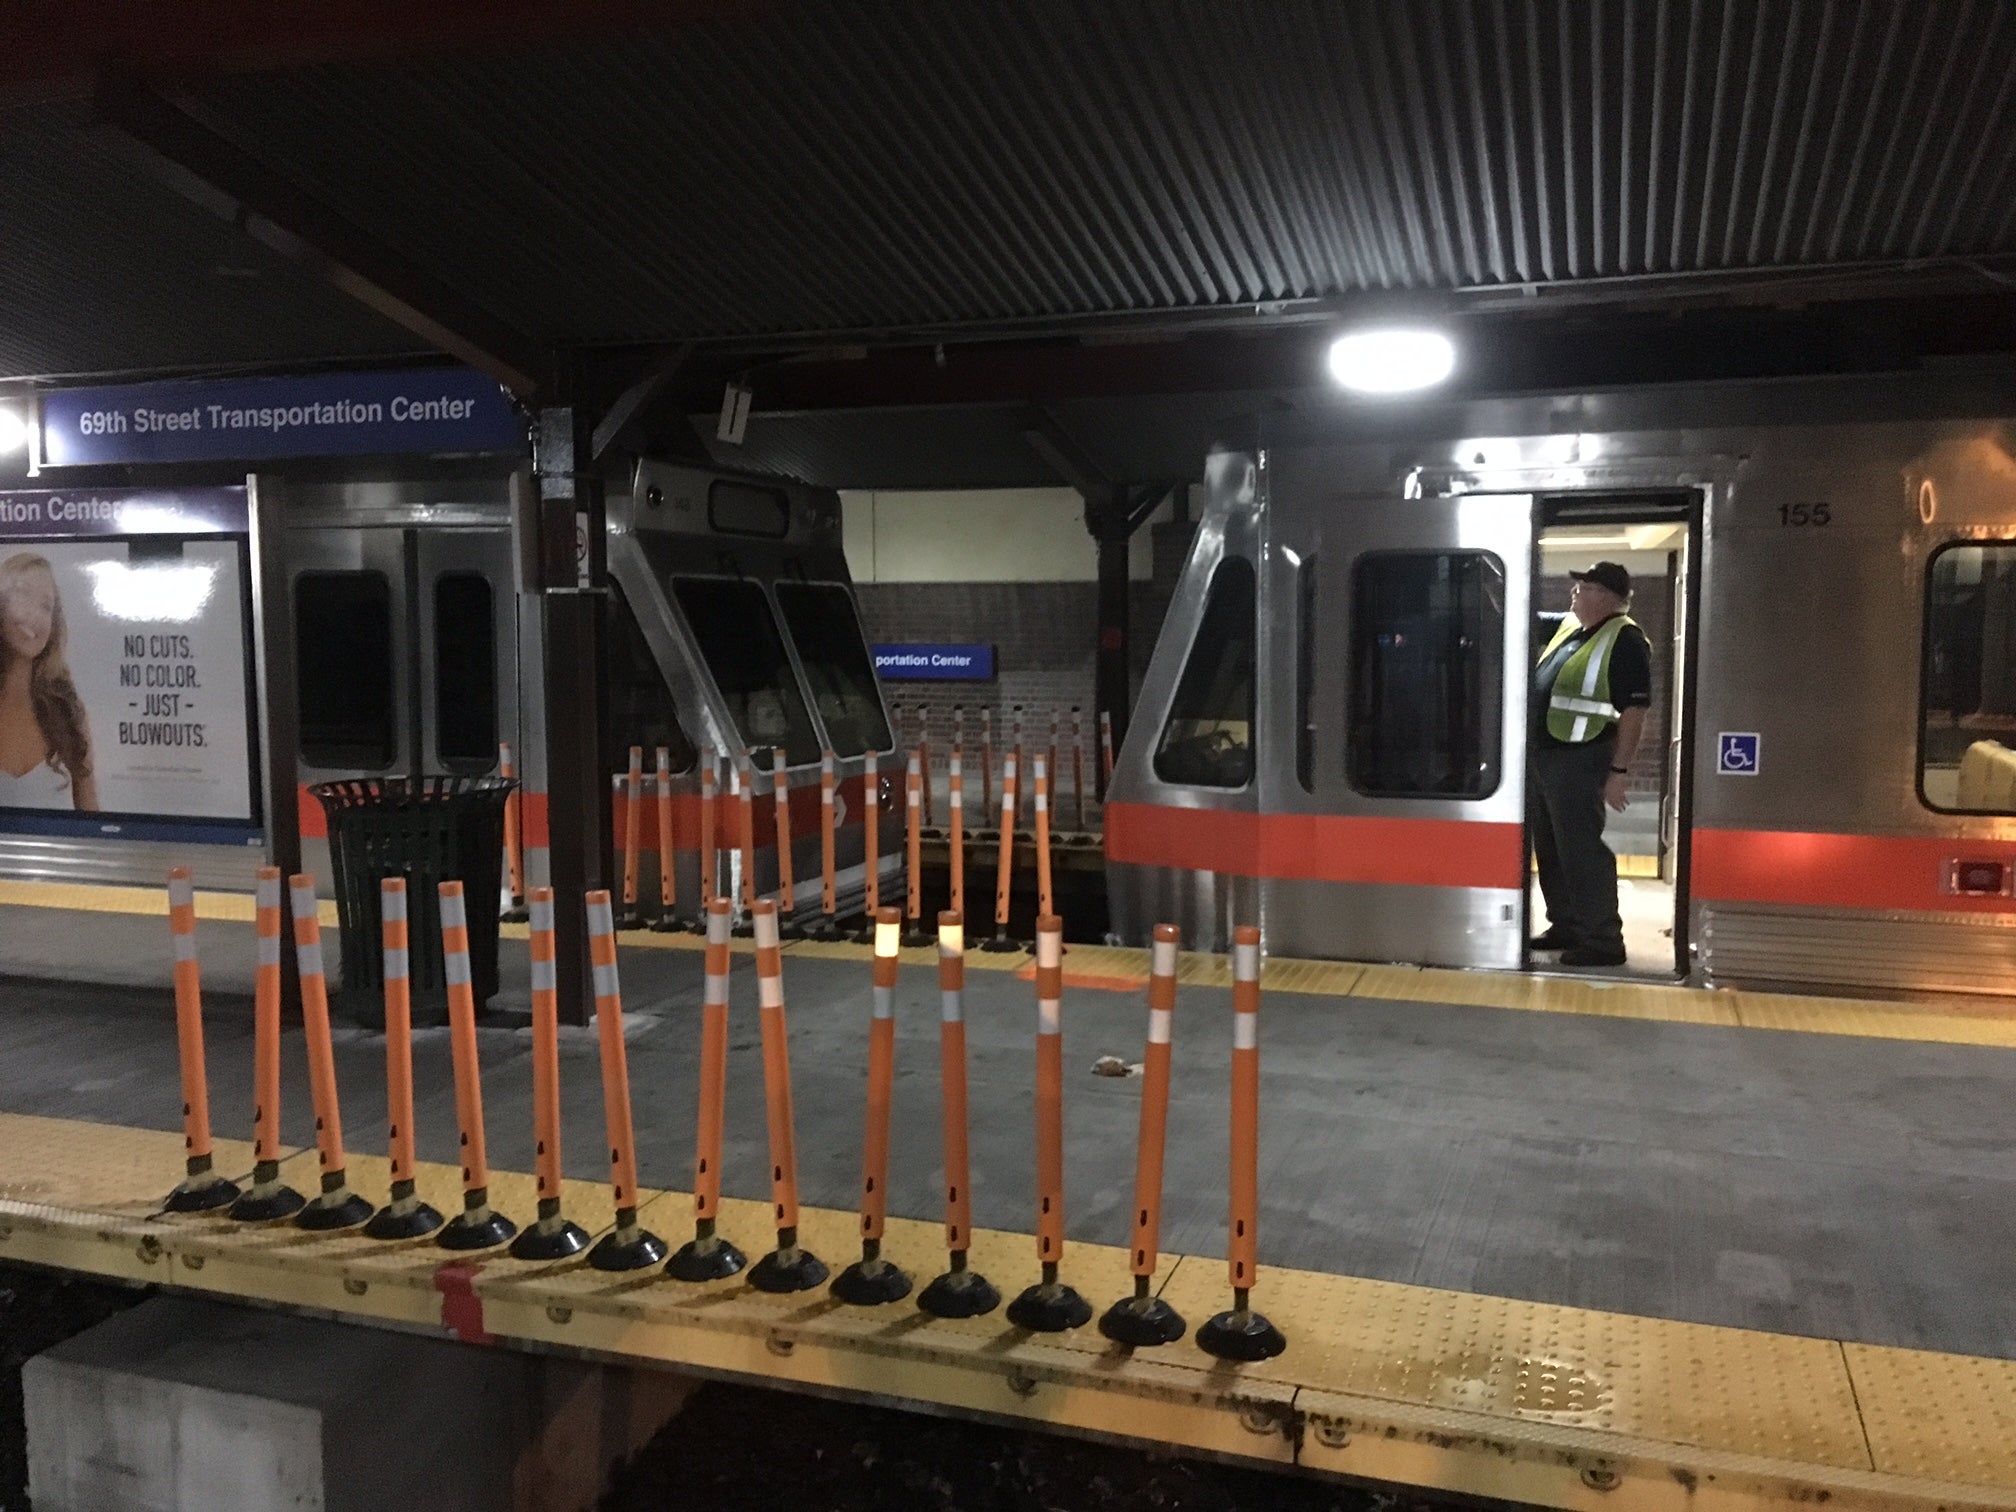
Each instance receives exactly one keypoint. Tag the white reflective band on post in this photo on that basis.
(956, 769)
(885, 1003)
(393, 903)
(1042, 801)
(1246, 963)
(950, 1009)
(269, 950)
(455, 968)
(915, 769)
(714, 992)
(1163, 961)
(545, 976)
(453, 914)
(957, 797)
(769, 992)
(601, 919)
(181, 892)
(826, 795)
(542, 916)
(1245, 1031)
(1158, 1025)
(303, 899)
(606, 983)
(766, 931)
(1049, 947)
(310, 957)
(1048, 1016)
(395, 964)
(185, 947)
(915, 796)
(826, 764)
(266, 893)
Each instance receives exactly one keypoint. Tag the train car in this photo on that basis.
(1331, 737)
(730, 625)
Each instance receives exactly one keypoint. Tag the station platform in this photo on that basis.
(1628, 1244)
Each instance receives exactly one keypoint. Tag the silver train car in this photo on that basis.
(730, 625)
(1330, 739)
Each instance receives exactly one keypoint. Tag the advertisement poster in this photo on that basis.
(123, 686)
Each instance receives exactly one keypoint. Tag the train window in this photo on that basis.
(637, 705)
(1967, 720)
(1207, 740)
(739, 641)
(343, 670)
(465, 670)
(834, 654)
(1426, 707)
(747, 510)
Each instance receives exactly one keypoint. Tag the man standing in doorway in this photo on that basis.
(1590, 694)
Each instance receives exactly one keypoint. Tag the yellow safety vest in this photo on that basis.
(1579, 708)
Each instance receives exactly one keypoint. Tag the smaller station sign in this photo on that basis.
(935, 663)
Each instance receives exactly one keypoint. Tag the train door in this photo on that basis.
(1653, 539)
(1412, 621)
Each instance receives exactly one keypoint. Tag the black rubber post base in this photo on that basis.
(710, 1259)
(792, 1270)
(788, 928)
(549, 1239)
(630, 919)
(201, 1195)
(478, 1228)
(1002, 945)
(407, 1218)
(743, 931)
(912, 938)
(1244, 1336)
(824, 928)
(959, 1294)
(262, 1204)
(338, 1209)
(667, 924)
(517, 913)
(1142, 1322)
(1049, 1309)
(628, 1250)
(870, 1283)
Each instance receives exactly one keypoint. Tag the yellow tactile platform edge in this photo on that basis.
(1482, 1395)
(1961, 1022)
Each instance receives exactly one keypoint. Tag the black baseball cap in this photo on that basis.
(1607, 575)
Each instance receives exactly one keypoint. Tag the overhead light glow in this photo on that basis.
(13, 430)
(156, 592)
(1392, 360)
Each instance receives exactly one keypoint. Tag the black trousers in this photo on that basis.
(1565, 817)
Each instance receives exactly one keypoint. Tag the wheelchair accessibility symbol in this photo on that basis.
(1738, 754)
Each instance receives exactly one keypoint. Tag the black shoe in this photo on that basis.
(1553, 939)
(1593, 955)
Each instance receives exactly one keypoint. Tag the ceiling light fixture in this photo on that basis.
(13, 430)
(1392, 359)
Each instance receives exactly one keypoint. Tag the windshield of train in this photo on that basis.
(834, 654)
(740, 643)
(1207, 740)
(637, 705)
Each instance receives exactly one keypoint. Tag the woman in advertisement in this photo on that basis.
(45, 742)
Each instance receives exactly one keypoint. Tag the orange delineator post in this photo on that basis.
(709, 1257)
(743, 775)
(633, 830)
(874, 1280)
(1078, 766)
(477, 1226)
(268, 1196)
(828, 901)
(871, 833)
(1143, 1318)
(1049, 1306)
(787, 1268)
(552, 1237)
(959, 1292)
(913, 787)
(336, 1206)
(955, 800)
(201, 1188)
(710, 845)
(1045, 900)
(628, 1246)
(1241, 1333)
(1004, 877)
(514, 839)
(405, 1216)
(986, 763)
(780, 799)
(668, 852)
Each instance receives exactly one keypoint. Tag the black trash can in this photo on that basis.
(428, 830)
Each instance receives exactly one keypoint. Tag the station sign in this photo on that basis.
(129, 609)
(421, 411)
(935, 663)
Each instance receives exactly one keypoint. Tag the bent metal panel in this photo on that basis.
(123, 655)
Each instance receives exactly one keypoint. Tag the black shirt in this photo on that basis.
(1630, 677)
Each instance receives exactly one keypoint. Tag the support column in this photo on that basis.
(1112, 693)
(279, 715)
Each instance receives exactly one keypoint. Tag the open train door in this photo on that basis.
(1396, 832)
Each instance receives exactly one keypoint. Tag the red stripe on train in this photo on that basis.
(1317, 848)
(1905, 872)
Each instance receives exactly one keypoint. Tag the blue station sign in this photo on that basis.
(419, 411)
(935, 663)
